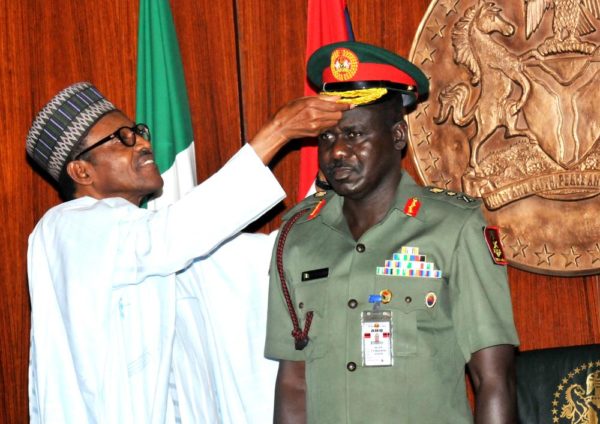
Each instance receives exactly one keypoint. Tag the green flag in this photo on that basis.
(162, 101)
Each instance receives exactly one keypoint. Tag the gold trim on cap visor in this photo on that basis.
(358, 97)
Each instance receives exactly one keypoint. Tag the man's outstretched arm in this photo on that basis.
(302, 117)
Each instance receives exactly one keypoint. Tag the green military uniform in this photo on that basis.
(433, 336)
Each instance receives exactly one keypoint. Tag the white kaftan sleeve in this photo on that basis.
(215, 210)
(222, 313)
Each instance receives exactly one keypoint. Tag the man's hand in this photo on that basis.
(303, 117)
(492, 371)
(290, 394)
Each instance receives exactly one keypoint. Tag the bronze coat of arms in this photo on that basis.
(511, 118)
(576, 403)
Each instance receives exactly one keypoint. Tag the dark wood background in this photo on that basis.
(243, 59)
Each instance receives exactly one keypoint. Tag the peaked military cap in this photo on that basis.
(63, 123)
(361, 73)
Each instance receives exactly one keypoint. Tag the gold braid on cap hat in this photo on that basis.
(358, 97)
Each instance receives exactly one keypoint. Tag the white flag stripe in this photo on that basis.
(179, 179)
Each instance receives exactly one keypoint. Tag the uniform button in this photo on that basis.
(301, 305)
(360, 248)
(408, 299)
(352, 303)
(351, 366)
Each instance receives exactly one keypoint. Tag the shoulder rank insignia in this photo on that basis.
(492, 239)
(460, 196)
(412, 206)
(465, 198)
(316, 209)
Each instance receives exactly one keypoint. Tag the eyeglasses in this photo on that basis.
(126, 135)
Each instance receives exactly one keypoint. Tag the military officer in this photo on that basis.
(382, 290)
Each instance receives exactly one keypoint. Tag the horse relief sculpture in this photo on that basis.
(577, 397)
(511, 118)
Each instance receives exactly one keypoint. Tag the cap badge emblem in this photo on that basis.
(344, 64)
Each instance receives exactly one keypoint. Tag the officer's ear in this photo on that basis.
(80, 172)
(399, 134)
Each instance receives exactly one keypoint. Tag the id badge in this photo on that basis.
(376, 326)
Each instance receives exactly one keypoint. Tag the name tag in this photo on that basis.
(314, 274)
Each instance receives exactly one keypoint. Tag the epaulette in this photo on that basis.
(457, 198)
(313, 203)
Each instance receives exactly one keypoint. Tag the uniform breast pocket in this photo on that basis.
(312, 297)
(414, 304)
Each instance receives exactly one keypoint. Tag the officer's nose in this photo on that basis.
(340, 148)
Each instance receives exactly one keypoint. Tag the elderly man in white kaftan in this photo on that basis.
(104, 274)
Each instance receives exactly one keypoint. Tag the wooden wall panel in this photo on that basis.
(209, 53)
(14, 310)
(272, 38)
(14, 302)
(553, 311)
(243, 59)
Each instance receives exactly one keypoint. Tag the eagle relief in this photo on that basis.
(511, 118)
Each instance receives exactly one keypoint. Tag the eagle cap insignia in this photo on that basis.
(344, 64)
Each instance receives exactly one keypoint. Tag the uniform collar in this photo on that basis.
(407, 189)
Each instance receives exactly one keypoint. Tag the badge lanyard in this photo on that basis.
(376, 335)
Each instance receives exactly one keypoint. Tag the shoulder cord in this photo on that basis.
(300, 337)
